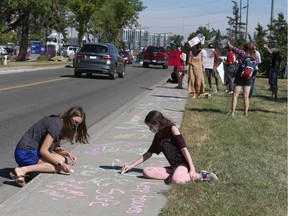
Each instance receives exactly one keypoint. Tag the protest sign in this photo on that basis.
(220, 70)
(174, 58)
(208, 58)
(196, 40)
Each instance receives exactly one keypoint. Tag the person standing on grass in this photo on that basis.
(213, 72)
(230, 69)
(239, 81)
(254, 78)
(39, 149)
(274, 70)
(196, 71)
(169, 140)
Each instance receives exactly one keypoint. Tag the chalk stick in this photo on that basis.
(71, 171)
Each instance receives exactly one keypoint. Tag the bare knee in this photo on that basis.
(147, 172)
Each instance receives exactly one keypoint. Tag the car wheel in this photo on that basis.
(122, 74)
(113, 76)
(165, 66)
(145, 64)
(76, 73)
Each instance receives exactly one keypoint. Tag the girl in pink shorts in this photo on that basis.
(168, 140)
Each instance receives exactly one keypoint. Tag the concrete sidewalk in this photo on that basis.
(96, 186)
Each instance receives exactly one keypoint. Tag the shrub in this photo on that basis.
(42, 58)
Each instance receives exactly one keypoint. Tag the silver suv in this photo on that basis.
(99, 58)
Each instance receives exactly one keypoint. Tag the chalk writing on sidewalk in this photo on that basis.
(106, 198)
(117, 146)
(68, 189)
(138, 200)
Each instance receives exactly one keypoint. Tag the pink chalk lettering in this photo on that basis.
(52, 193)
(105, 198)
(144, 187)
(71, 192)
(138, 202)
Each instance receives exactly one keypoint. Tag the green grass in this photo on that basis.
(249, 155)
(33, 64)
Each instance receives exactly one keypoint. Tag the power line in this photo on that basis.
(207, 14)
(184, 7)
(178, 26)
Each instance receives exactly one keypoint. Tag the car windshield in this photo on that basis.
(95, 49)
(155, 49)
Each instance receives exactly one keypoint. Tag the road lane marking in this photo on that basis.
(32, 84)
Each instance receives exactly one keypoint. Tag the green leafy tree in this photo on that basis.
(260, 39)
(122, 13)
(236, 27)
(82, 12)
(278, 38)
(27, 18)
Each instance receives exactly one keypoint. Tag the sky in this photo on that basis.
(182, 17)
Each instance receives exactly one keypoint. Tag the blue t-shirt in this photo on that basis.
(34, 137)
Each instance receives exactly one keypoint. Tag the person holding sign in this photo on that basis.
(196, 71)
(213, 71)
(169, 140)
(230, 69)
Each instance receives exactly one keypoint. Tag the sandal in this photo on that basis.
(207, 176)
(20, 180)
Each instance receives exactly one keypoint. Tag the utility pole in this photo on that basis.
(240, 11)
(246, 33)
(272, 14)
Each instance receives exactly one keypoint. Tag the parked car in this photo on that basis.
(155, 55)
(99, 58)
(126, 55)
(68, 51)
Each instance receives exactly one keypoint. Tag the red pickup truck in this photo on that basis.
(155, 55)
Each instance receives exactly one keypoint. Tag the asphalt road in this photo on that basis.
(26, 97)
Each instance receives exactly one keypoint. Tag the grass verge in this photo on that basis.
(249, 155)
(34, 64)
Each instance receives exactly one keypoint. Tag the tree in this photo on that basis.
(260, 39)
(275, 36)
(122, 13)
(278, 38)
(83, 11)
(24, 15)
(236, 27)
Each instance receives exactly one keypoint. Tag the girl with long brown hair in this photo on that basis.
(240, 82)
(169, 140)
(39, 149)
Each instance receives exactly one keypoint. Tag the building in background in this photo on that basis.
(137, 39)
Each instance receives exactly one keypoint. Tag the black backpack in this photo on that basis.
(247, 69)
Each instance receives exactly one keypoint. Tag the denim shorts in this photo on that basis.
(26, 157)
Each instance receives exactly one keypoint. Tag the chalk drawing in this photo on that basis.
(138, 201)
(105, 199)
(66, 189)
(110, 147)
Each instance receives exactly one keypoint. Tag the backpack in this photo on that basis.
(247, 69)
